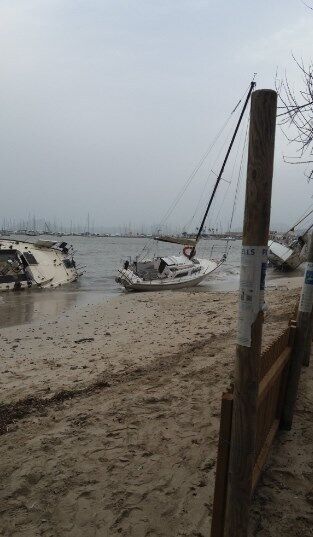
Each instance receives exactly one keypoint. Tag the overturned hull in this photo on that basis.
(43, 264)
(285, 258)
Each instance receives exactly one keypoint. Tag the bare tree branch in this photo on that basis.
(296, 115)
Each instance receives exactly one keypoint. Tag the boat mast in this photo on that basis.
(219, 177)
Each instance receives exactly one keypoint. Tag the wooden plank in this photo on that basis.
(264, 422)
(292, 332)
(273, 373)
(220, 489)
(269, 356)
(261, 460)
(282, 391)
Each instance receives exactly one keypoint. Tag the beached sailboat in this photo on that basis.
(177, 271)
(41, 264)
(290, 251)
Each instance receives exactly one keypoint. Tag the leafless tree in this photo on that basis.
(295, 114)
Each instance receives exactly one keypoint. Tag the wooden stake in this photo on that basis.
(309, 299)
(306, 359)
(302, 344)
(252, 274)
(220, 490)
(308, 347)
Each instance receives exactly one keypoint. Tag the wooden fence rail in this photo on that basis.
(275, 362)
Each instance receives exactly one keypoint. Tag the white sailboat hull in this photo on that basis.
(132, 282)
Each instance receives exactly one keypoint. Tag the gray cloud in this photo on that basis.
(106, 106)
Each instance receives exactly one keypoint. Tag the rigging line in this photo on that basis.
(227, 248)
(198, 166)
(239, 175)
(225, 142)
(222, 203)
(194, 172)
(303, 217)
(234, 165)
(189, 180)
(310, 227)
(252, 86)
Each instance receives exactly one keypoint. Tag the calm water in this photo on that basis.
(100, 258)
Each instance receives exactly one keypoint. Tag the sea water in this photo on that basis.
(98, 259)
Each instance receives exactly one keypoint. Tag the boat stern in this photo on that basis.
(127, 278)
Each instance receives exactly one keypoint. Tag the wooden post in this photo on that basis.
(302, 344)
(251, 300)
(308, 299)
(308, 346)
(306, 360)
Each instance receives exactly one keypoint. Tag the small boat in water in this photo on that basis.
(177, 271)
(41, 264)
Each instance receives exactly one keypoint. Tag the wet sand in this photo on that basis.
(31, 306)
(66, 348)
(112, 420)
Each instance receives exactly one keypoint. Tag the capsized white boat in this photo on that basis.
(40, 264)
(287, 258)
(171, 271)
(290, 251)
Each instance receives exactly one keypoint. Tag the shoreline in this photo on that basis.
(29, 307)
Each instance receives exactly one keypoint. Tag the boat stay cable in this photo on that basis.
(252, 86)
(239, 176)
(200, 163)
(201, 203)
(232, 175)
(305, 215)
(192, 176)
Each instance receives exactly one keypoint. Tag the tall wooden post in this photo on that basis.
(302, 344)
(306, 302)
(251, 301)
(307, 356)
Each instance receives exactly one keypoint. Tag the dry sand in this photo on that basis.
(117, 434)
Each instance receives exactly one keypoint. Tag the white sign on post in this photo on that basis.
(251, 290)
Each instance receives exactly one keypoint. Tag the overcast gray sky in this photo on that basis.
(106, 106)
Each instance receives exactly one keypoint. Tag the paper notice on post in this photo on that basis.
(251, 290)
(306, 300)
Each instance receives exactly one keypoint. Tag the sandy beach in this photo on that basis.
(110, 418)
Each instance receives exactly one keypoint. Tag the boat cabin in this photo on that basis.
(165, 267)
